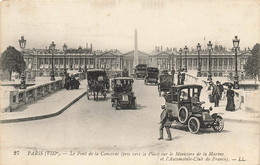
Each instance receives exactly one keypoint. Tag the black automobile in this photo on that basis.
(151, 75)
(140, 71)
(123, 96)
(183, 103)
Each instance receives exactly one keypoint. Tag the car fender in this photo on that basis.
(196, 115)
(214, 115)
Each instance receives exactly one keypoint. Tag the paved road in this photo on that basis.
(89, 125)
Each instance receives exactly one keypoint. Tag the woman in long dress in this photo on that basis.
(230, 99)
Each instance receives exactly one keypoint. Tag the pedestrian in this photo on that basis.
(165, 123)
(216, 95)
(76, 84)
(230, 99)
(221, 88)
(210, 92)
(182, 78)
(67, 82)
(72, 83)
(173, 73)
(179, 78)
(125, 73)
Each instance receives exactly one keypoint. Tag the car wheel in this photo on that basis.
(218, 124)
(194, 125)
(183, 114)
(88, 95)
(135, 104)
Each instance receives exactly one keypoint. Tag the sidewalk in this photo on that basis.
(49, 106)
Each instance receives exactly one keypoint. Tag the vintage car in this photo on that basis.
(151, 75)
(183, 103)
(140, 71)
(123, 96)
(165, 83)
(97, 82)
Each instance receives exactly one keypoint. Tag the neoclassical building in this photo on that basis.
(39, 61)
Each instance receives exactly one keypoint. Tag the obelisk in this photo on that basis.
(135, 50)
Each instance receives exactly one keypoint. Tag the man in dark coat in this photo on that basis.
(165, 122)
(125, 73)
(182, 78)
(173, 72)
(216, 95)
(221, 88)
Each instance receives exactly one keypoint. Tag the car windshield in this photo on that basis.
(123, 85)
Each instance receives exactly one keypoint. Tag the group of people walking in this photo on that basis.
(215, 92)
(71, 82)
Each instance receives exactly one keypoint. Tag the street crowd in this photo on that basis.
(71, 82)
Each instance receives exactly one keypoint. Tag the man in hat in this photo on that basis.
(221, 88)
(165, 122)
(216, 95)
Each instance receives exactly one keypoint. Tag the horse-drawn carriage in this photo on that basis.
(98, 82)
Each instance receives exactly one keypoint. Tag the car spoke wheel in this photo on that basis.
(218, 124)
(183, 114)
(194, 125)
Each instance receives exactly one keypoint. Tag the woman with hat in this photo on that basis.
(230, 99)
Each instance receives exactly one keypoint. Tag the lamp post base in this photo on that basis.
(23, 82)
(236, 84)
(52, 76)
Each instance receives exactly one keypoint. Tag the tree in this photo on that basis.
(12, 61)
(252, 66)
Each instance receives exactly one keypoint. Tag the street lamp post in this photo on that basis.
(180, 51)
(209, 49)
(199, 62)
(52, 47)
(22, 43)
(65, 50)
(236, 46)
(185, 51)
(80, 48)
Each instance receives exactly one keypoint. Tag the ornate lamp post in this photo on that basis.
(199, 62)
(180, 51)
(185, 51)
(22, 44)
(236, 46)
(80, 48)
(65, 47)
(209, 49)
(52, 47)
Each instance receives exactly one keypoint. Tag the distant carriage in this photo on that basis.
(140, 71)
(151, 75)
(98, 82)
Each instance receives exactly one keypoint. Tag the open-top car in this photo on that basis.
(165, 83)
(140, 71)
(123, 96)
(184, 105)
(98, 82)
(151, 75)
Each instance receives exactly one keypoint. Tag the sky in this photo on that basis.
(110, 24)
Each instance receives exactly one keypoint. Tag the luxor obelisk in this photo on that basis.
(135, 50)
